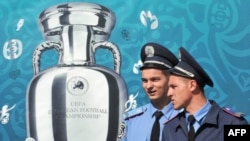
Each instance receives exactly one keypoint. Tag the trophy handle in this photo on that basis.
(42, 47)
(115, 51)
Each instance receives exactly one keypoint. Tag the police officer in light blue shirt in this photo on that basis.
(186, 90)
(139, 122)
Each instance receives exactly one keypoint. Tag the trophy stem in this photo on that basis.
(76, 45)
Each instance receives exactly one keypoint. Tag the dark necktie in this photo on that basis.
(155, 133)
(191, 132)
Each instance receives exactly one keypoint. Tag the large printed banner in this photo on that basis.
(70, 68)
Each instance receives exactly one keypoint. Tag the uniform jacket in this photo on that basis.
(212, 129)
(139, 122)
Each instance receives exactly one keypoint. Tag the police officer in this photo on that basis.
(156, 59)
(186, 90)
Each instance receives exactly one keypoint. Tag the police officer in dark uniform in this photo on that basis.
(139, 122)
(186, 90)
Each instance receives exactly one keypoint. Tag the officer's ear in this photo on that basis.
(193, 85)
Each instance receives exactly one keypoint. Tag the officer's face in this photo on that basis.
(179, 91)
(155, 84)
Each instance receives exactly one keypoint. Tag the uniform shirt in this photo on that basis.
(211, 129)
(139, 122)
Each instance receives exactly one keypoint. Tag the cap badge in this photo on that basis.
(149, 51)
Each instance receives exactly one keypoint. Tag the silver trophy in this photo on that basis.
(76, 100)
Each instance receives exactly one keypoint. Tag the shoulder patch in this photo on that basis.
(134, 112)
(122, 131)
(232, 112)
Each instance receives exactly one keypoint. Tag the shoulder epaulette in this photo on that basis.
(232, 112)
(134, 112)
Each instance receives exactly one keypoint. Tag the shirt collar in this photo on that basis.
(201, 113)
(167, 110)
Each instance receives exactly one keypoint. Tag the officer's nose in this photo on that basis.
(170, 92)
(149, 85)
